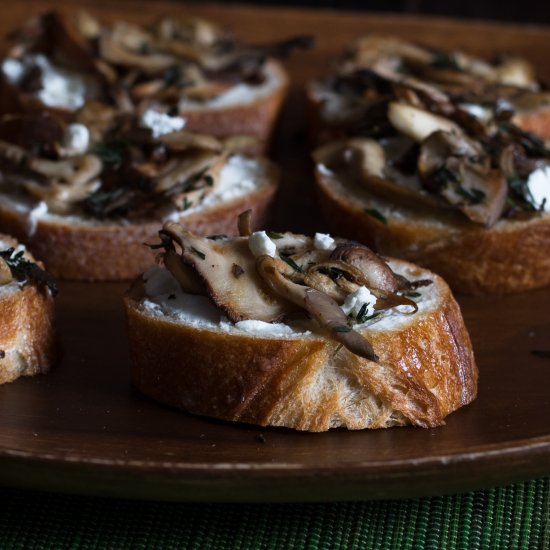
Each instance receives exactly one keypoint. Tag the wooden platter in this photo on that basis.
(83, 428)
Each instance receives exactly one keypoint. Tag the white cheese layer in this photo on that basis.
(165, 300)
(241, 94)
(356, 300)
(60, 87)
(323, 241)
(261, 245)
(239, 177)
(538, 184)
(161, 123)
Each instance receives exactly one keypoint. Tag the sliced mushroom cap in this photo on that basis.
(457, 169)
(245, 297)
(377, 273)
(418, 124)
(35, 132)
(5, 272)
(321, 307)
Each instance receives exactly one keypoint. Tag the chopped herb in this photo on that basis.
(376, 214)
(288, 260)
(445, 60)
(412, 294)
(443, 176)
(200, 254)
(236, 270)
(24, 270)
(172, 75)
(337, 349)
(362, 313)
(542, 353)
(475, 196)
(274, 235)
(342, 328)
(209, 180)
(216, 237)
(186, 203)
(111, 152)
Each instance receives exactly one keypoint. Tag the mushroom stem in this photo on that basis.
(320, 306)
(244, 223)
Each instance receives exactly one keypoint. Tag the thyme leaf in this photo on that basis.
(200, 254)
(288, 260)
(24, 270)
(274, 235)
(342, 328)
(376, 214)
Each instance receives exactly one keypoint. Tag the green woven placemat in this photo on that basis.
(516, 516)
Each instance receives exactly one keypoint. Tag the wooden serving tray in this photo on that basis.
(83, 428)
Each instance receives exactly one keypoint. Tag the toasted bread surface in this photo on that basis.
(426, 370)
(27, 341)
(512, 256)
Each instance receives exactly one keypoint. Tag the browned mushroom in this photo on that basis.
(457, 169)
(5, 272)
(321, 307)
(245, 297)
(244, 223)
(378, 275)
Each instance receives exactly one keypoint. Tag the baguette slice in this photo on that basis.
(87, 249)
(183, 355)
(27, 342)
(511, 256)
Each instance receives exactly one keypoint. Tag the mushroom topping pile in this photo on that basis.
(130, 66)
(438, 130)
(116, 167)
(333, 285)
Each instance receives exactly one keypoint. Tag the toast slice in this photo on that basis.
(424, 157)
(236, 341)
(85, 196)
(220, 86)
(27, 341)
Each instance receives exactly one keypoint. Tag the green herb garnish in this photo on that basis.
(412, 294)
(445, 60)
(23, 270)
(376, 214)
(342, 328)
(474, 196)
(288, 260)
(209, 180)
(111, 152)
(274, 235)
(200, 254)
(186, 203)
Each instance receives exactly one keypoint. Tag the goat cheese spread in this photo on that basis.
(60, 87)
(538, 184)
(161, 123)
(260, 244)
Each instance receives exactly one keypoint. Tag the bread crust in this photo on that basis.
(256, 118)
(115, 251)
(27, 339)
(426, 370)
(512, 256)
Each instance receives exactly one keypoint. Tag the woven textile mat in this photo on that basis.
(515, 516)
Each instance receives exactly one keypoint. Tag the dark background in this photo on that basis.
(526, 11)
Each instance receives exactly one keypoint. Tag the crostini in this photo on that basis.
(188, 66)
(286, 330)
(27, 341)
(439, 171)
(85, 195)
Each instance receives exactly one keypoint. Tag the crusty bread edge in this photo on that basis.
(27, 337)
(270, 381)
(98, 252)
(512, 256)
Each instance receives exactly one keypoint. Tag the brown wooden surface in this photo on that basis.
(83, 428)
